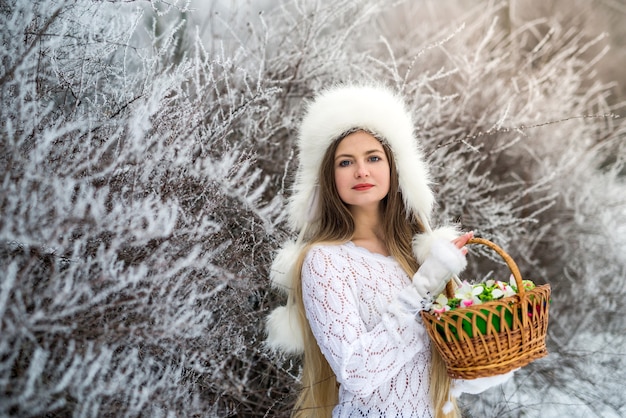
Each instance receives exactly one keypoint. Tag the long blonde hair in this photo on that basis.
(320, 390)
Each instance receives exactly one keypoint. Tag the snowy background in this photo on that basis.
(147, 151)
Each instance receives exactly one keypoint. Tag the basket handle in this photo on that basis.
(507, 259)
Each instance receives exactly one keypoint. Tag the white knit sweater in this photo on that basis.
(369, 331)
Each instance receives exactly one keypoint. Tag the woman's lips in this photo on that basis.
(363, 187)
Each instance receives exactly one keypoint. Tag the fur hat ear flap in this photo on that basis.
(281, 272)
(422, 243)
(283, 330)
(313, 213)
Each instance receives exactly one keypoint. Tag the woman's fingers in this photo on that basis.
(461, 241)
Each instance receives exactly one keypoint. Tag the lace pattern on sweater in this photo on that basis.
(357, 306)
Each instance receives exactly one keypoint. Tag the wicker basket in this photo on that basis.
(494, 337)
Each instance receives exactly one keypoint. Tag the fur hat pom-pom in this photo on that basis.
(283, 330)
(422, 243)
(281, 272)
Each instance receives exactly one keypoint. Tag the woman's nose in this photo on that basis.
(361, 170)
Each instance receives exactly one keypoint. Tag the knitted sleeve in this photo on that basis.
(365, 343)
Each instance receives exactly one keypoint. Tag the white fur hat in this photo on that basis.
(330, 115)
(374, 109)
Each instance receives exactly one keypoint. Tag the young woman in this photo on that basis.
(365, 264)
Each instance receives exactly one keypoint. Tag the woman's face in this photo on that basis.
(361, 170)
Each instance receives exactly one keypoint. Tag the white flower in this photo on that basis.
(468, 294)
(507, 288)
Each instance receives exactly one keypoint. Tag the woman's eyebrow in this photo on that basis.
(372, 151)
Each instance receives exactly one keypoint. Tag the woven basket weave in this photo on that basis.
(494, 337)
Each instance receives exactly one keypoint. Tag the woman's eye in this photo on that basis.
(344, 163)
(374, 158)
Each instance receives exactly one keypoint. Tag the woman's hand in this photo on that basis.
(461, 241)
(446, 259)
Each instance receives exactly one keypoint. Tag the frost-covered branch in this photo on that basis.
(146, 155)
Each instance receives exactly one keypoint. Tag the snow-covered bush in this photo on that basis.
(146, 154)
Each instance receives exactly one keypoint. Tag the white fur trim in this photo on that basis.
(478, 385)
(281, 272)
(422, 243)
(448, 255)
(283, 330)
(374, 108)
(313, 212)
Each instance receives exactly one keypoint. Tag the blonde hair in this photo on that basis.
(320, 390)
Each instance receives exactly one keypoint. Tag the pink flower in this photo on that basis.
(441, 304)
(467, 302)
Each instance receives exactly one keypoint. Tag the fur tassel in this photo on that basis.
(283, 330)
(281, 272)
(447, 407)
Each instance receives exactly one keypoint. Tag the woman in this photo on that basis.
(365, 263)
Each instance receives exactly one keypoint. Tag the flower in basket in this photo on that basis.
(468, 294)
(476, 294)
(499, 289)
(441, 304)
